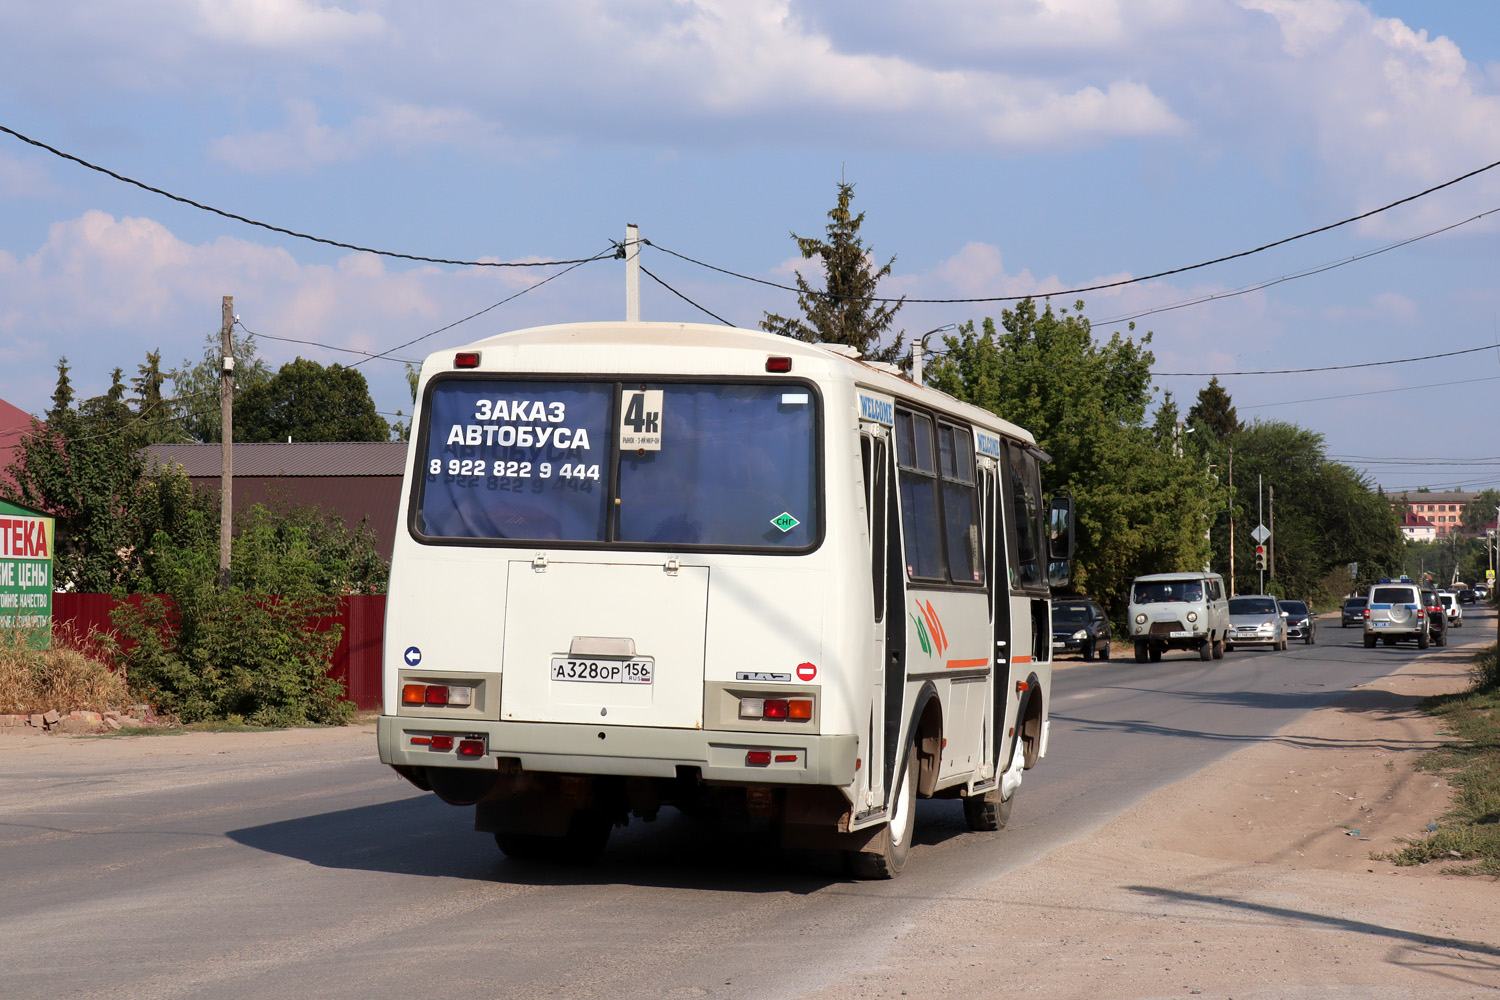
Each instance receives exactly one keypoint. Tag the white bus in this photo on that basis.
(647, 564)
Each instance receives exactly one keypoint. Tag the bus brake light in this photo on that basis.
(778, 366)
(471, 748)
(466, 359)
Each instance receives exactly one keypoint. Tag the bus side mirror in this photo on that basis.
(1060, 541)
(1060, 528)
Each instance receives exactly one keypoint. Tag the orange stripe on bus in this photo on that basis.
(962, 664)
(1020, 659)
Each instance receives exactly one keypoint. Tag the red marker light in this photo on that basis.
(437, 694)
(422, 741)
(786, 758)
(466, 359)
(778, 366)
(442, 743)
(471, 748)
(758, 758)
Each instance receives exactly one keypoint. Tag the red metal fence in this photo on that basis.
(356, 662)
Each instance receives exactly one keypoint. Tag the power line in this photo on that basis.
(1108, 284)
(509, 298)
(1267, 371)
(1305, 273)
(684, 298)
(279, 229)
(1371, 392)
(313, 343)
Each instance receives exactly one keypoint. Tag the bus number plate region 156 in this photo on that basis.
(565, 668)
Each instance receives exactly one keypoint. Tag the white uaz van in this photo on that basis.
(1178, 611)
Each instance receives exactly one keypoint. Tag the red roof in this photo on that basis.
(14, 424)
(1416, 521)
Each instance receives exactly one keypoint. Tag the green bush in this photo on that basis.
(206, 653)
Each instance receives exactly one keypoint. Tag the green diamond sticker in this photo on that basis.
(785, 521)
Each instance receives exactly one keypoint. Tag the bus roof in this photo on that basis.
(661, 348)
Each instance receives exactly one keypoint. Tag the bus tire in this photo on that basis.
(588, 833)
(987, 811)
(887, 861)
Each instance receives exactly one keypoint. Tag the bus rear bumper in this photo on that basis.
(791, 758)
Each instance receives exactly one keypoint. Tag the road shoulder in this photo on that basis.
(1253, 878)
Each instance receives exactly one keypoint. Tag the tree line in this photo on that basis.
(1155, 490)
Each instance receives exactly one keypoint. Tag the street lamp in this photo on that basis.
(919, 348)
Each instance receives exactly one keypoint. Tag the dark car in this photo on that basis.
(1079, 625)
(1466, 596)
(1300, 623)
(1354, 611)
(1437, 618)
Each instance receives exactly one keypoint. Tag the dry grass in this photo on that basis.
(63, 677)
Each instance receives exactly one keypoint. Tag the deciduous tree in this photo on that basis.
(306, 402)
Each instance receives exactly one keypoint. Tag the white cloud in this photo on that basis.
(104, 290)
(284, 23)
(305, 143)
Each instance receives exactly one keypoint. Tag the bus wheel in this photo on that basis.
(588, 833)
(987, 811)
(888, 861)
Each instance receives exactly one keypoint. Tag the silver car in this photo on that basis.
(1255, 621)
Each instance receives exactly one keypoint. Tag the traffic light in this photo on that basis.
(1260, 557)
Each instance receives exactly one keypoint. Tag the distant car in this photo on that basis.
(1300, 623)
(1452, 611)
(1396, 612)
(1437, 618)
(1354, 611)
(1481, 592)
(1466, 596)
(1255, 620)
(1079, 625)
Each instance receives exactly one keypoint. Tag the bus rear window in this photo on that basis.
(521, 460)
(694, 464)
(736, 467)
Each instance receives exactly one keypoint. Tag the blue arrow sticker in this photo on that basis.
(413, 656)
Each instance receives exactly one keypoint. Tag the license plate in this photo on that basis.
(1182, 635)
(566, 668)
(1058, 645)
(1381, 624)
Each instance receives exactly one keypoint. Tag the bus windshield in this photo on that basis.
(703, 464)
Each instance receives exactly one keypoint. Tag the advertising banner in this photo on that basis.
(26, 544)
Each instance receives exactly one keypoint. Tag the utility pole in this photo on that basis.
(1231, 522)
(632, 273)
(226, 439)
(1271, 541)
(1260, 517)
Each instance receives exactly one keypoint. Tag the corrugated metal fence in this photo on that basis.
(356, 662)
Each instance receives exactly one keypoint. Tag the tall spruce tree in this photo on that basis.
(1215, 411)
(845, 311)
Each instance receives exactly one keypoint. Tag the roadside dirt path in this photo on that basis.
(1250, 880)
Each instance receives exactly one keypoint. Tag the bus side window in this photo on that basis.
(1022, 505)
(920, 525)
(960, 504)
(872, 453)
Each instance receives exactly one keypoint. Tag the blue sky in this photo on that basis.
(999, 148)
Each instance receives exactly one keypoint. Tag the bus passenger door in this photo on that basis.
(888, 632)
(1002, 680)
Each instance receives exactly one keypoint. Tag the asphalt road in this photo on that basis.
(314, 872)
